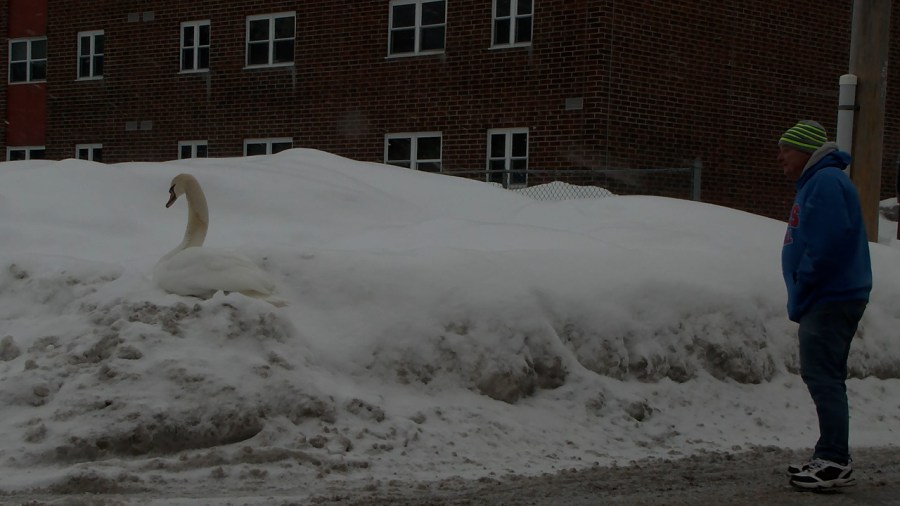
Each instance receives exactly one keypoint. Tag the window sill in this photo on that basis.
(264, 67)
(500, 47)
(413, 55)
(44, 81)
(97, 78)
(189, 72)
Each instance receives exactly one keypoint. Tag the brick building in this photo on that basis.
(449, 85)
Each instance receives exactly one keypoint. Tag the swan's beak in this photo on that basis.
(172, 198)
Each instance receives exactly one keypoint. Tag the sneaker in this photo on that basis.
(820, 473)
(796, 468)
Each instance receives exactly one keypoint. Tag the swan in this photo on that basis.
(192, 270)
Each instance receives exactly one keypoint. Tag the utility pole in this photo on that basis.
(869, 42)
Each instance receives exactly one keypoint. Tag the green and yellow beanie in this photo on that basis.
(807, 135)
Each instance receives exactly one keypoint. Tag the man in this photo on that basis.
(828, 273)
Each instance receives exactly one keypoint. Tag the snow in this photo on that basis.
(436, 327)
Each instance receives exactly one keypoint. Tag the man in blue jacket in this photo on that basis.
(828, 273)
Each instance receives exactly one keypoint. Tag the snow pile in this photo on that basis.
(436, 327)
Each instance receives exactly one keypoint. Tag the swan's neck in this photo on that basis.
(198, 216)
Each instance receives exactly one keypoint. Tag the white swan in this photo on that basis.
(191, 269)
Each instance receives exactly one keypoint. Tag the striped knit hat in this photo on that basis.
(806, 136)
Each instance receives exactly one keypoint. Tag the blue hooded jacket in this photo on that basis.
(826, 250)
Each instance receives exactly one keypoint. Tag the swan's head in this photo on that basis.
(179, 187)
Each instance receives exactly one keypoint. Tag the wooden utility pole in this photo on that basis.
(869, 42)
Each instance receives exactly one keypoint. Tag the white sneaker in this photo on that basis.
(820, 473)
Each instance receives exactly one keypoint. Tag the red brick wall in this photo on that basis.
(26, 115)
(27, 18)
(4, 58)
(663, 83)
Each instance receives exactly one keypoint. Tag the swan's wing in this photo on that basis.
(204, 271)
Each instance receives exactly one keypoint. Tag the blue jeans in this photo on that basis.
(825, 335)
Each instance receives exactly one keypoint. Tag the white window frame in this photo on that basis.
(29, 60)
(507, 158)
(514, 18)
(196, 47)
(193, 145)
(91, 149)
(414, 161)
(28, 150)
(92, 55)
(271, 41)
(417, 50)
(269, 141)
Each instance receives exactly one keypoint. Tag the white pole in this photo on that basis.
(846, 111)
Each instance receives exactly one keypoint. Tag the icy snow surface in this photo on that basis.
(437, 327)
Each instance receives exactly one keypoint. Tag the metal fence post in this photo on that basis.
(696, 169)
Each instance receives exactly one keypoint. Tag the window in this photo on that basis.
(508, 157)
(192, 149)
(27, 60)
(512, 22)
(267, 146)
(93, 152)
(25, 153)
(270, 40)
(195, 46)
(90, 55)
(421, 151)
(417, 26)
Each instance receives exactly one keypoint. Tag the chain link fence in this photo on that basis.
(567, 184)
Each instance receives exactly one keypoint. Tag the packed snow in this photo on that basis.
(435, 327)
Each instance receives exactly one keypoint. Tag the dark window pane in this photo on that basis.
(39, 50)
(203, 58)
(19, 51)
(432, 38)
(399, 150)
(188, 34)
(495, 171)
(84, 67)
(520, 145)
(524, 7)
(519, 172)
(98, 65)
(429, 166)
(403, 41)
(39, 70)
(85, 46)
(187, 59)
(204, 35)
(98, 154)
(278, 147)
(503, 8)
(18, 72)
(429, 148)
(284, 51)
(83, 153)
(256, 149)
(433, 13)
(38, 154)
(498, 146)
(185, 152)
(284, 27)
(16, 155)
(259, 30)
(501, 31)
(202, 151)
(98, 43)
(258, 54)
(404, 15)
(523, 30)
